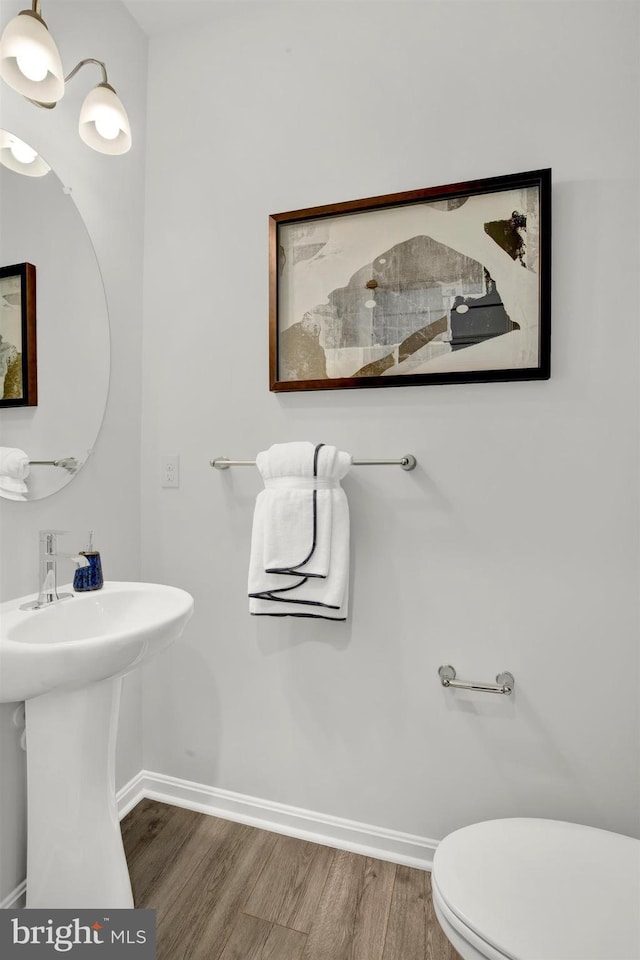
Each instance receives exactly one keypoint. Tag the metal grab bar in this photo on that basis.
(505, 682)
(407, 462)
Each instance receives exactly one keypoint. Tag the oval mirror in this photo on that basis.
(54, 327)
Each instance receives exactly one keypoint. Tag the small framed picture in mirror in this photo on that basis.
(18, 359)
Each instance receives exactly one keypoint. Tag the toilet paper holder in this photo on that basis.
(505, 682)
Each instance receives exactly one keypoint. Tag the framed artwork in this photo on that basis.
(448, 284)
(18, 362)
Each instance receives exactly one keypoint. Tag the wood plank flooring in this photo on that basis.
(227, 891)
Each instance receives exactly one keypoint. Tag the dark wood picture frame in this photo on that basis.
(18, 347)
(389, 285)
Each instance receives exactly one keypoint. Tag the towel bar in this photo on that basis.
(67, 463)
(407, 462)
(505, 682)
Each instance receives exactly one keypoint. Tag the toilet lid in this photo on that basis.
(543, 889)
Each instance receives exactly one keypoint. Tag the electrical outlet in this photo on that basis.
(170, 470)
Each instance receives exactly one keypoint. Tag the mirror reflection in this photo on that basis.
(54, 330)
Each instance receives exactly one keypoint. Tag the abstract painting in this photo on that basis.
(18, 365)
(441, 285)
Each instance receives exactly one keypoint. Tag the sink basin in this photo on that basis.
(67, 661)
(90, 637)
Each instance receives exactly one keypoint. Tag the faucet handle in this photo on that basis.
(48, 539)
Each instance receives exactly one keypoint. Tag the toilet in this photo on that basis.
(528, 889)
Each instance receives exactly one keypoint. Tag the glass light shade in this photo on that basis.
(12, 149)
(104, 124)
(27, 43)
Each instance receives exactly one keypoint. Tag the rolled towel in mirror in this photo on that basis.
(12, 489)
(14, 463)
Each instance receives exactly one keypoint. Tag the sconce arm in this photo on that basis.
(83, 63)
(78, 66)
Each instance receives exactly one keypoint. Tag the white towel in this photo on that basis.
(14, 463)
(299, 562)
(14, 469)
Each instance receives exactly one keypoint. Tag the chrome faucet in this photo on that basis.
(48, 570)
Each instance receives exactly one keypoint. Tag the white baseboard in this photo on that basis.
(16, 899)
(363, 838)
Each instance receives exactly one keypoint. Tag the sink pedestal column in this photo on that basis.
(75, 856)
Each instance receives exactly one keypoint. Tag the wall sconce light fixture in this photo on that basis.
(20, 157)
(30, 64)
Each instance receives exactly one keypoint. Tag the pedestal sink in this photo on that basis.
(67, 661)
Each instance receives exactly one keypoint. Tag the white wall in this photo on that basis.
(104, 496)
(514, 544)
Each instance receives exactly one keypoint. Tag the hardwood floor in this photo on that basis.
(227, 891)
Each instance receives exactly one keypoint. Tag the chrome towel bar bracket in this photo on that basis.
(407, 462)
(505, 682)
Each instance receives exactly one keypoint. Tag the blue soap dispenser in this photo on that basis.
(89, 578)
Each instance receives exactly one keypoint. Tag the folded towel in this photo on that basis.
(12, 489)
(14, 463)
(299, 562)
(14, 468)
